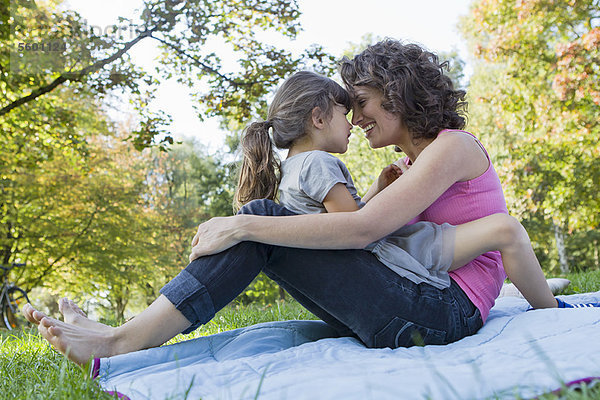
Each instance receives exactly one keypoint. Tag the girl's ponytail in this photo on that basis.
(259, 173)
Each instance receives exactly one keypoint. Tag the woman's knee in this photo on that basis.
(264, 207)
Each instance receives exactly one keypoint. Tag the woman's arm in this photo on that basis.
(450, 158)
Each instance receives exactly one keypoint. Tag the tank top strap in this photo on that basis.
(474, 137)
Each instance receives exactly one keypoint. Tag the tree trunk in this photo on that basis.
(559, 236)
(119, 304)
(596, 255)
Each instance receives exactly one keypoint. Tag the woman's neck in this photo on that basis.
(413, 150)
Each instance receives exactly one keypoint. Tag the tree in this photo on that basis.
(76, 204)
(183, 30)
(188, 186)
(536, 92)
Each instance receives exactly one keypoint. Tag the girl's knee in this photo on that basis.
(257, 207)
(264, 207)
(510, 230)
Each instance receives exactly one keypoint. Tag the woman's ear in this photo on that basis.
(317, 118)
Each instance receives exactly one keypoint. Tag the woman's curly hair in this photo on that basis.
(413, 84)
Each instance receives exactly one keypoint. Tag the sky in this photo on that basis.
(332, 23)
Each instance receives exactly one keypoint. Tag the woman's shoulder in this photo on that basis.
(463, 150)
(459, 141)
(457, 135)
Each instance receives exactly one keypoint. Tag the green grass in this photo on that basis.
(583, 282)
(30, 369)
(237, 316)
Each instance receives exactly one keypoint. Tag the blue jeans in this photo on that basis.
(349, 289)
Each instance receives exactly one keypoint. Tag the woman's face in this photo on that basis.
(381, 127)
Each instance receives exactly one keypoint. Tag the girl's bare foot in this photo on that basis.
(74, 315)
(78, 344)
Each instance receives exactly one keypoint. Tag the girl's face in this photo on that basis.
(381, 127)
(336, 135)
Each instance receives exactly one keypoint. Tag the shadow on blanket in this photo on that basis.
(516, 353)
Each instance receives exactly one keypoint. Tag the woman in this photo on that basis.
(402, 98)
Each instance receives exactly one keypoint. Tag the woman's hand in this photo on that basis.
(214, 236)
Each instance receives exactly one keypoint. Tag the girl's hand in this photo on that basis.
(214, 236)
(390, 173)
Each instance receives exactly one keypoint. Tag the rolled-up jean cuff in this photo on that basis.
(191, 298)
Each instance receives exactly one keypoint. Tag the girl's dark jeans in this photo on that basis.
(349, 289)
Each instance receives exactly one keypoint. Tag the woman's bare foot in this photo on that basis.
(74, 315)
(78, 344)
(154, 326)
(31, 314)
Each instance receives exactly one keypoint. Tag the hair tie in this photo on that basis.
(268, 124)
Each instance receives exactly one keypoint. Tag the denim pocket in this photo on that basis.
(402, 333)
(473, 323)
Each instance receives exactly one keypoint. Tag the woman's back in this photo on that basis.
(482, 278)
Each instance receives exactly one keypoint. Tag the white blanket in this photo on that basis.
(516, 353)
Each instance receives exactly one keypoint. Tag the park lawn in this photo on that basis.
(30, 369)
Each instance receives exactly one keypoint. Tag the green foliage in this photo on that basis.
(188, 186)
(186, 32)
(262, 291)
(535, 96)
(79, 220)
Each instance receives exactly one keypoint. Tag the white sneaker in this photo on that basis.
(556, 285)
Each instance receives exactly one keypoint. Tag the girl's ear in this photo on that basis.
(317, 118)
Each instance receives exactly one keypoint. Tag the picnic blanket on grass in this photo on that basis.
(516, 354)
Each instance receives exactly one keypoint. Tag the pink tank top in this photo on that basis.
(482, 278)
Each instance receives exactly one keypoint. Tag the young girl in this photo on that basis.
(308, 117)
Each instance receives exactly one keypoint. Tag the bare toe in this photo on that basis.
(47, 322)
(74, 315)
(31, 314)
(27, 312)
(69, 309)
(38, 316)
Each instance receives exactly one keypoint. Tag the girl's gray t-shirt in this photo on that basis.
(306, 178)
(421, 252)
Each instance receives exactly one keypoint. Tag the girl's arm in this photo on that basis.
(450, 158)
(339, 199)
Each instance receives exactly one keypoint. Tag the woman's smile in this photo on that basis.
(368, 127)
